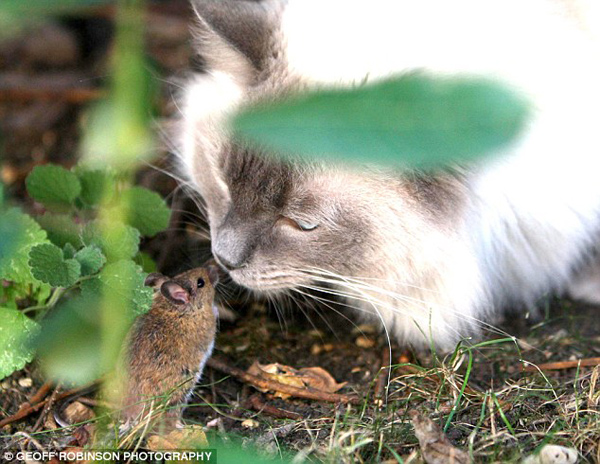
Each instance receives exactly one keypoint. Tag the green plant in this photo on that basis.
(67, 253)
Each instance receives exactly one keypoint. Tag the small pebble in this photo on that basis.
(25, 382)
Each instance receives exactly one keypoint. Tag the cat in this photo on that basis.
(433, 255)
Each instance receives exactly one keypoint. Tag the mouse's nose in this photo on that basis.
(228, 263)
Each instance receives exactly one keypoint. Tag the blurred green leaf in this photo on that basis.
(414, 120)
(70, 342)
(234, 450)
(61, 229)
(49, 265)
(96, 185)
(91, 260)
(146, 210)
(53, 186)
(145, 261)
(39, 7)
(117, 242)
(119, 133)
(16, 333)
(123, 280)
(24, 234)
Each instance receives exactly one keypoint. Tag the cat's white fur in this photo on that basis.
(533, 213)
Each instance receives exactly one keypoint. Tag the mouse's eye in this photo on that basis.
(200, 283)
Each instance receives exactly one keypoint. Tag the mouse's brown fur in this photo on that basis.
(168, 346)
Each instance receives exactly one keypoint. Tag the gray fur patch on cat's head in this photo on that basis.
(248, 27)
(258, 231)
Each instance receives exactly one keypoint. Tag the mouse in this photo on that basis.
(167, 347)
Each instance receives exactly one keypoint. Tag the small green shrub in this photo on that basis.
(84, 246)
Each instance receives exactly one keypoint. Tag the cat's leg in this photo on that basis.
(585, 284)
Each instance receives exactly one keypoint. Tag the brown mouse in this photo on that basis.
(167, 347)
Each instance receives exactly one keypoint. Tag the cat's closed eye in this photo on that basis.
(304, 226)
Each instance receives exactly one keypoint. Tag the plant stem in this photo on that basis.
(56, 295)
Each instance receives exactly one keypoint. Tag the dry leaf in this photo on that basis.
(250, 424)
(435, 447)
(186, 438)
(313, 377)
(77, 412)
(320, 379)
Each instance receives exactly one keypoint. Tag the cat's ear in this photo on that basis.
(237, 36)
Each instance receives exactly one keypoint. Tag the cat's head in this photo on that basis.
(272, 222)
(275, 224)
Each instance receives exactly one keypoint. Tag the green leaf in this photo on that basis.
(147, 211)
(24, 234)
(61, 229)
(96, 184)
(126, 280)
(16, 333)
(53, 186)
(117, 242)
(9, 237)
(91, 260)
(414, 120)
(49, 265)
(69, 251)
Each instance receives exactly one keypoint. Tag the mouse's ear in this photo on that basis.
(155, 280)
(175, 293)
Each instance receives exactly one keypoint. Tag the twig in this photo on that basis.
(40, 394)
(49, 405)
(559, 365)
(71, 95)
(307, 392)
(35, 399)
(26, 409)
(259, 406)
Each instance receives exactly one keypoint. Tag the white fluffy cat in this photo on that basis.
(429, 255)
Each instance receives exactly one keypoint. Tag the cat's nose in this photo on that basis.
(228, 264)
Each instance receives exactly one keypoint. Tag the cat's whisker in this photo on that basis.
(311, 298)
(362, 280)
(377, 304)
(379, 315)
(273, 302)
(307, 316)
(348, 281)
